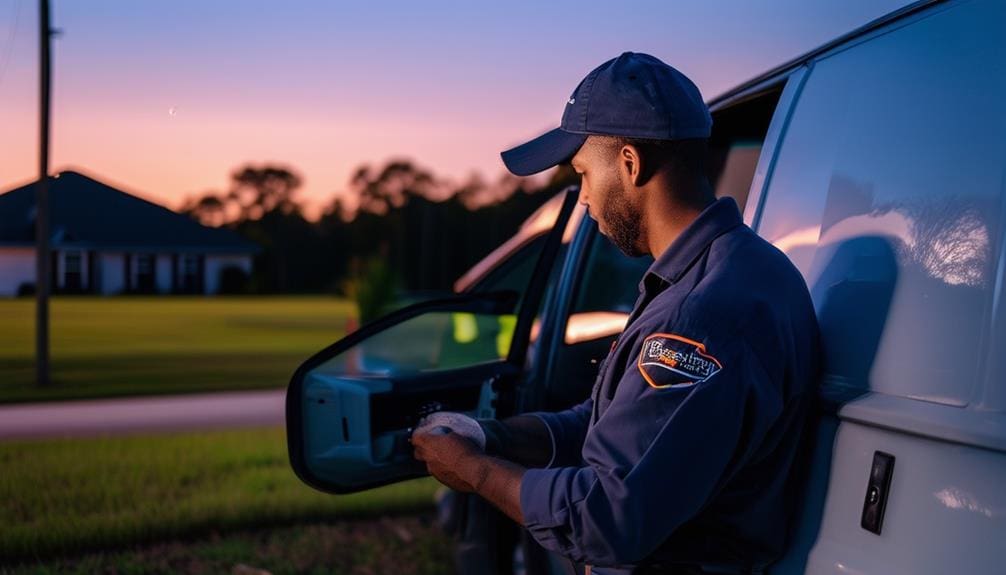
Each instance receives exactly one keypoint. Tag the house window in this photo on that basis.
(145, 280)
(190, 274)
(72, 281)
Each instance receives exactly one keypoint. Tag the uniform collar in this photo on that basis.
(718, 218)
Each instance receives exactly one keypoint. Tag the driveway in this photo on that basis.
(142, 414)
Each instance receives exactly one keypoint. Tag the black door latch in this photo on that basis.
(876, 491)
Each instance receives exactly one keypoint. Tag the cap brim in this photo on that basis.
(543, 152)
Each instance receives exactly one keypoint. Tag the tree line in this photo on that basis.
(424, 230)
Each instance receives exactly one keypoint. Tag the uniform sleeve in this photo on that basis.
(567, 430)
(661, 450)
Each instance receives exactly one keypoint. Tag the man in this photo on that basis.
(681, 460)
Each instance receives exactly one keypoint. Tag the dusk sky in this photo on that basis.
(165, 99)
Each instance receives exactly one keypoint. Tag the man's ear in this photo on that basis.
(631, 161)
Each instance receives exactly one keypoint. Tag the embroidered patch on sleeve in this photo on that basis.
(669, 360)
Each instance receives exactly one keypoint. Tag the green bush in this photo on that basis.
(373, 288)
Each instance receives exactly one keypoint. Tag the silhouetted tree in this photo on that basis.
(210, 209)
(390, 187)
(427, 231)
(260, 190)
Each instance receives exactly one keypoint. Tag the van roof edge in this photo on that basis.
(903, 12)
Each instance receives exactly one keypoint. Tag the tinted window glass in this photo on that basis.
(514, 273)
(736, 141)
(602, 301)
(450, 340)
(887, 196)
(514, 269)
(429, 342)
(606, 293)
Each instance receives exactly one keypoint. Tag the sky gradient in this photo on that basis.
(165, 99)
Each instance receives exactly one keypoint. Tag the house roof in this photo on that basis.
(89, 214)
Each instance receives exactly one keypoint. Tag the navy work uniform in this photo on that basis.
(682, 456)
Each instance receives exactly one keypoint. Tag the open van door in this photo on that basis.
(351, 407)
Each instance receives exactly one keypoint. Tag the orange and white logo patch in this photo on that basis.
(669, 360)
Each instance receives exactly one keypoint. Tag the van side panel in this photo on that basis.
(887, 193)
(946, 512)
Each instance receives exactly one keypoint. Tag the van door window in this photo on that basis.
(607, 292)
(515, 271)
(887, 195)
(434, 341)
(602, 300)
(511, 271)
(736, 141)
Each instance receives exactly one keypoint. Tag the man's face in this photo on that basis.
(604, 190)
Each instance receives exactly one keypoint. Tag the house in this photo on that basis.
(106, 241)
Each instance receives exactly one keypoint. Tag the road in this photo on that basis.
(142, 414)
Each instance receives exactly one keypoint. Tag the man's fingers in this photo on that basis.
(440, 443)
(419, 452)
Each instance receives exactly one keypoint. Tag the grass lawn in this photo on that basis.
(110, 346)
(403, 545)
(61, 497)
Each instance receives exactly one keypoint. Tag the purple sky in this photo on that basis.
(166, 98)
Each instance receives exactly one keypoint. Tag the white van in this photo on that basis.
(882, 177)
(878, 164)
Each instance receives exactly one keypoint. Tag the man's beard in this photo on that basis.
(624, 223)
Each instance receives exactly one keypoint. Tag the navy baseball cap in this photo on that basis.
(634, 96)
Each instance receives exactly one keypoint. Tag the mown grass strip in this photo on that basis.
(114, 346)
(400, 545)
(68, 496)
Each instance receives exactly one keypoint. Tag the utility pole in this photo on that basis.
(42, 262)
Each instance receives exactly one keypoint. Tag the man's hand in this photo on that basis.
(451, 458)
(459, 464)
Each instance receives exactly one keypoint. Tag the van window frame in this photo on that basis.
(793, 82)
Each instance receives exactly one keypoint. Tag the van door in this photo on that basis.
(350, 408)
